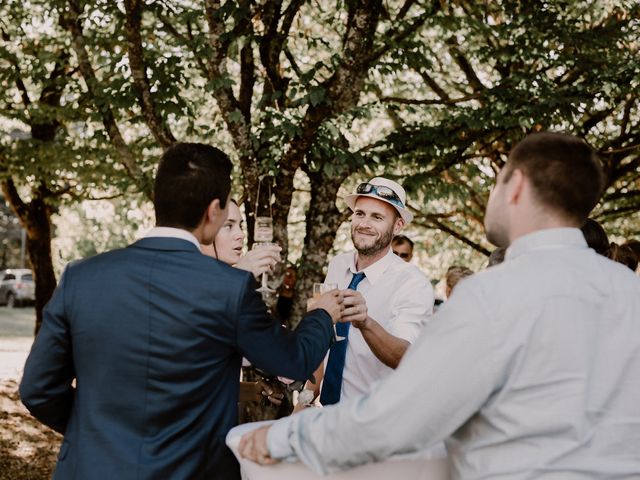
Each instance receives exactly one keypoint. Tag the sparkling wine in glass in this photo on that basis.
(318, 290)
(263, 236)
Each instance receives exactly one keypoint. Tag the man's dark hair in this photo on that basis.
(400, 239)
(565, 172)
(595, 236)
(634, 245)
(497, 256)
(623, 254)
(190, 176)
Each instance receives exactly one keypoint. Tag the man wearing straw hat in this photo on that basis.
(387, 300)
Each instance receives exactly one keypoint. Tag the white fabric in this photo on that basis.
(434, 469)
(532, 367)
(171, 232)
(399, 297)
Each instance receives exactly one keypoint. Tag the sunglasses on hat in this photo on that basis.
(381, 191)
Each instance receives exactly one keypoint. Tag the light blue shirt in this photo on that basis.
(530, 370)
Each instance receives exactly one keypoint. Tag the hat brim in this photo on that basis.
(350, 200)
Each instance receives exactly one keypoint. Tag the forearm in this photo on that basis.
(387, 348)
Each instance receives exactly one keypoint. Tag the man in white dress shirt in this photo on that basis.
(390, 302)
(532, 370)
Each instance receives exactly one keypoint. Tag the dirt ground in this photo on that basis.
(28, 450)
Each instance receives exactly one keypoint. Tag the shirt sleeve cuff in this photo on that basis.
(278, 440)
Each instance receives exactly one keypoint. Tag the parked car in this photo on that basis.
(16, 287)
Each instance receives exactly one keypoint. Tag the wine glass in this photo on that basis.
(318, 290)
(263, 236)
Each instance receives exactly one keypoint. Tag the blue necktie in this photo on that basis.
(332, 384)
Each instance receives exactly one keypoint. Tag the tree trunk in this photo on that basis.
(39, 249)
(35, 217)
(319, 238)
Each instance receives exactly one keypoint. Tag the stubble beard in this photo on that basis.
(379, 245)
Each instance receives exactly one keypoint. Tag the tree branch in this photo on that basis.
(433, 85)
(465, 66)
(16, 65)
(404, 9)
(395, 35)
(70, 20)
(247, 81)
(188, 41)
(430, 222)
(10, 192)
(412, 101)
(133, 28)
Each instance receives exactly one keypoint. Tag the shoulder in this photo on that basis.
(407, 271)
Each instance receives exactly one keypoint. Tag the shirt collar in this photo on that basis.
(546, 239)
(374, 271)
(171, 232)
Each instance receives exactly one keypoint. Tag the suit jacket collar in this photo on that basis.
(166, 244)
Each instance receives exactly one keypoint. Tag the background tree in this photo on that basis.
(327, 93)
(52, 154)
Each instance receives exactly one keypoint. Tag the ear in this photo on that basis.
(398, 226)
(214, 211)
(515, 186)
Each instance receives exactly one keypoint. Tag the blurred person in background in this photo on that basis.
(402, 246)
(455, 273)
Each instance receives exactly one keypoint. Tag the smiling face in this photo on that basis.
(229, 241)
(373, 225)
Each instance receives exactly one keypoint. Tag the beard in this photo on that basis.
(368, 250)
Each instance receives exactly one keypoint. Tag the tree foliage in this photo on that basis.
(432, 93)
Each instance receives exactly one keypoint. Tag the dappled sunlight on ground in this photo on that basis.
(28, 449)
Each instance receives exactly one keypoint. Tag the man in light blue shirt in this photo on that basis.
(532, 370)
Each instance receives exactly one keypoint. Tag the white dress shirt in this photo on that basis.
(399, 297)
(171, 232)
(531, 369)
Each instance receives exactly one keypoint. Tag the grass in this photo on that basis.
(17, 322)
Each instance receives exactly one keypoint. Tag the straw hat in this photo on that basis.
(397, 199)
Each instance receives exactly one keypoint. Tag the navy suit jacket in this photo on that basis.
(154, 336)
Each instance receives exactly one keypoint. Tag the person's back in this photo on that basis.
(153, 336)
(134, 382)
(566, 379)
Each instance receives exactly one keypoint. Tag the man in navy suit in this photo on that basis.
(154, 336)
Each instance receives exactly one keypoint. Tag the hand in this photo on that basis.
(260, 260)
(331, 302)
(268, 391)
(354, 308)
(253, 446)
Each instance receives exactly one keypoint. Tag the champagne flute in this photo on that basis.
(318, 290)
(263, 236)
